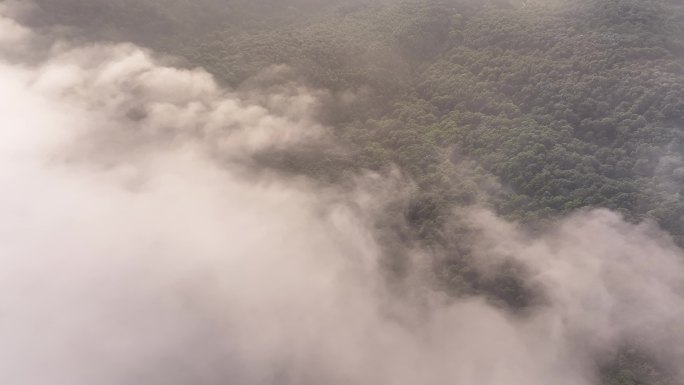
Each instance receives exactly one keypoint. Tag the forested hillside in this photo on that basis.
(533, 108)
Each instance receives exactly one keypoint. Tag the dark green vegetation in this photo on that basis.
(534, 108)
(568, 105)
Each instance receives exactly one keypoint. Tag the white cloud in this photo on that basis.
(130, 253)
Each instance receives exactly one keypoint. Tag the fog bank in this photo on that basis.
(139, 244)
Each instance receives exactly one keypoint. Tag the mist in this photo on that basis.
(141, 243)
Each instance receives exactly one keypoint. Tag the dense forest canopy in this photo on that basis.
(570, 104)
(533, 108)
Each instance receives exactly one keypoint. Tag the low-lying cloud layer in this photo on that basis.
(138, 245)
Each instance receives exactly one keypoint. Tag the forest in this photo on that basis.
(534, 109)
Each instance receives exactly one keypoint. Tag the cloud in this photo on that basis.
(607, 282)
(139, 245)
